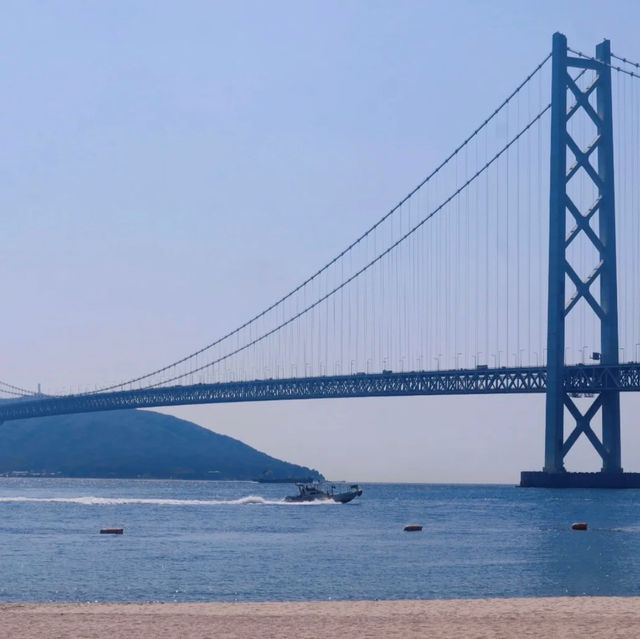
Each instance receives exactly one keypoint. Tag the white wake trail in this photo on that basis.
(117, 501)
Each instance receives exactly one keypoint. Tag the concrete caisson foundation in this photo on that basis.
(539, 479)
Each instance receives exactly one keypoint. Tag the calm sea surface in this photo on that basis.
(220, 541)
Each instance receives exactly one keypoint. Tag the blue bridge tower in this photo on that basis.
(603, 239)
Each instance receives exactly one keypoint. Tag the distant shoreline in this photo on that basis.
(558, 617)
(132, 444)
(36, 475)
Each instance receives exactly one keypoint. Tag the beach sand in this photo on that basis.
(556, 618)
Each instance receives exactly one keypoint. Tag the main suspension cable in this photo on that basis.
(604, 64)
(351, 246)
(15, 390)
(367, 266)
(626, 61)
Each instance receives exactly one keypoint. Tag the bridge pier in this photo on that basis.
(604, 305)
(543, 479)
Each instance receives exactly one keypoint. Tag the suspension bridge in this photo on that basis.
(513, 267)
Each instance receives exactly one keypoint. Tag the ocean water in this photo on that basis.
(225, 541)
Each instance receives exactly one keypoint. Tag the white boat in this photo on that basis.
(313, 492)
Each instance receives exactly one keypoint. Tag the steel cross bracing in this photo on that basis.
(578, 381)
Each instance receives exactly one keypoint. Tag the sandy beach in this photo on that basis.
(610, 617)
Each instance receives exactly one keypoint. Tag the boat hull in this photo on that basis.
(305, 498)
(308, 494)
(345, 498)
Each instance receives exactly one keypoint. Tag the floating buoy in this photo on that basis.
(412, 527)
(579, 525)
(111, 531)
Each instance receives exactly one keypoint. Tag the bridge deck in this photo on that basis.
(578, 379)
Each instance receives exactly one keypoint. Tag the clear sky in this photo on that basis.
(168, 169)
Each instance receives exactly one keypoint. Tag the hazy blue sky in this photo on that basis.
(157, 156)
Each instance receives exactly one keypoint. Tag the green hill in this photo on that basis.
(133, 443)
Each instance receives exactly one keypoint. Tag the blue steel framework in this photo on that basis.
(606, 310)
(577, 380)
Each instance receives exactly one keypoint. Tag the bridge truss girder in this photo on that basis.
(577, 381)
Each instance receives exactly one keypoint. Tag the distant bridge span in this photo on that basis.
(578, 380)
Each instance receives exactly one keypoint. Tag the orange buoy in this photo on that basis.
(111, 531)
(412, 527)
(579, 525)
